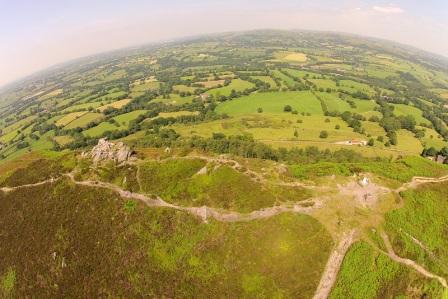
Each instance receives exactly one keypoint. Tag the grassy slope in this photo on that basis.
(175, 181)
(401, 170)
(150, 252)
(401, 109)
(424, 218)
(366, 273)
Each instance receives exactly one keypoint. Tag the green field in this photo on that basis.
(83, 120)
(236, 84)
(301, 73)
(432, 139)
(84, 106)
(401, 109)
(122, 123)
(279, 128)
(184, 88)
(140, 89)
(68, 118)
(286, 80)
(174, 99)
(266, 79)
(333, 102)
(272, 102)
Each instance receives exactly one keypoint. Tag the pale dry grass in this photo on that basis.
(116, 104)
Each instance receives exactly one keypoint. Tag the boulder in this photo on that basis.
(106, 151)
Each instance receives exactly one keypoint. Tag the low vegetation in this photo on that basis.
(367, 273)
(73, 227)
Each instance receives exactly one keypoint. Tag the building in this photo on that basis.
(357, 142)
(204, 97)
(441, 159)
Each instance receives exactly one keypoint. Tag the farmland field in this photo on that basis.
(401, 109)
(236, 84)
(272, 103)
(291, 56)
(83, 120)
(65, 120)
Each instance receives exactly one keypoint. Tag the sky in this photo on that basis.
(36, 34)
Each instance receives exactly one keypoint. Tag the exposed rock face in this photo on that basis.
(105, 150)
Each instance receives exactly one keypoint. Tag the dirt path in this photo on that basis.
(410, 263)
(305, 207)
(9, 189)
(333, 265)
(204, 212)
(419, 180)
(425, 248)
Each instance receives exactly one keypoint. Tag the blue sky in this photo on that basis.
(37, 34)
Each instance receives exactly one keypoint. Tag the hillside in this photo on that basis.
(255, 164)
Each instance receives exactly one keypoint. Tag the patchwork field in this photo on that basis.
(83, 120)
(236, 84)
(68, 118)
(401, 109)
(272, 103)
(116, 105)
(291, 56)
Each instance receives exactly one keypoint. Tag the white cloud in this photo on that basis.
(388, 9)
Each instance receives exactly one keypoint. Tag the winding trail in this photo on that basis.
(419, 180)
(204, 212)
(410, 263)
(305, 207)
(10, 189)
(333, 265)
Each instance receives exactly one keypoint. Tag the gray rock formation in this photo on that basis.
(105, 151)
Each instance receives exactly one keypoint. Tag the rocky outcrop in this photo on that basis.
(108, 151)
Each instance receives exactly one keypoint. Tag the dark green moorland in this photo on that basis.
(251, 149)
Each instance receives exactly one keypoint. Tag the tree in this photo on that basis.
(371, 142)
(429, 152)
(346, 115)
(296, 134)
(374, 118)
(408, 122)
(392, 137)
(260, 110)
(22, 144)
(218, 136)
(390, 124)
(337, 127)
(287, 108)
(444, 151)
(323, 134)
